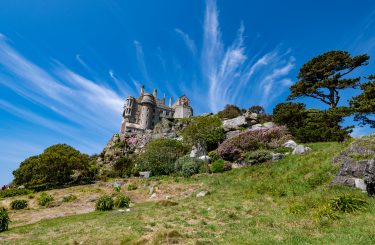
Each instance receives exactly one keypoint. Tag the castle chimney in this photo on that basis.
(142, 90)
(170, 101)
(163, 100)
(155, 93)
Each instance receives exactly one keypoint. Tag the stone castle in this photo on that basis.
(147, 110)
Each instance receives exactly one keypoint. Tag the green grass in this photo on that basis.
(261, 204)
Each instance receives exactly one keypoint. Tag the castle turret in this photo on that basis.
(142, 90)
(170, 101)
(155, 93)
(148, 104)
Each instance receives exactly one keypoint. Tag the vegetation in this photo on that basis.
(205, 131)
(348, 204)
(4, 219)
(257, 109)
(188, 166)
(54, 167)
(123, 167)
(312, 125)
(218, 166)
(132, 187)
(363, 105)
(232, 149)
(229, 112)
(258, 156)
(14, 192)
(69, 198)
(104, 203)
(122, 201)
(160, 155)
(44, 199)
(324, 76)
(18, 204)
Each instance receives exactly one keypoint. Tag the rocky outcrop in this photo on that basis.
(357, 167)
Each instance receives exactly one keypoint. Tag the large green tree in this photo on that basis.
(363, 105)
(54, 167)
(325, 75)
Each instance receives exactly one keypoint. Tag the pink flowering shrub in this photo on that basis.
(132, 140)
(271, 138)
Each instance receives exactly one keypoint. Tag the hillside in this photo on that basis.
(270, 203)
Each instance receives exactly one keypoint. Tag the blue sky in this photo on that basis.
(67, 66)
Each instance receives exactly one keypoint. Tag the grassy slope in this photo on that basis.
(246, 206)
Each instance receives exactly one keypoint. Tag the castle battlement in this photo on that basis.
(147, 110)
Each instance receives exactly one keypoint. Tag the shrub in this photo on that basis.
(123, 167)
(190, 168)
(160, 155)
(104, 203)
(258, 156)
(122, 201)
(271, 138)
(44, 199)
(54, 167)
(14, 192)
(218, 166)
(229, 112)
(132, 187)
(347, 204)
(205, 131)
(69, 198)
(4, 219)
(213, 155)
(326, 212)
(18, 204)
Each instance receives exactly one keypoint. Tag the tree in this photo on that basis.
(324, 76)
(290, 114)
(257, 109)
(159, 156)
(54, 167)
(363, 105)
(205, 131)
(229, 112)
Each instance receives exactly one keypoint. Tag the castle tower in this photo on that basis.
(142, 90)
(148, 104)
(170, 101)
(155, 93)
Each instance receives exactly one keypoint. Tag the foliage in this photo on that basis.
(132, 187)
(363, 105)
(120, 144)
(257, 109)
(324, 76)
(54, 167)
(213, 155)
(231, 149)
(160, 155)
(190, 168)
(18, 204)
(257, 156)
(229, 112)
(218, 166)
(69, 198)
(347, 204)
(104, 203)
(44, 199)
(14, 192)
(312, 125)
(122, 201)
(326, 212)
(123, 167)
(205, 131)
(4, 219)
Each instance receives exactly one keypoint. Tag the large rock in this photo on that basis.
(235, 123)
(369, 177)
(198, 151)
(232, 134)
(357, 166)
(290, 144)
(300, 150)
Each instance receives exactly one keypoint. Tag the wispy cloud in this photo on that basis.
(190, 44)
(228, 70)
(141, 60)
(61, 90)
